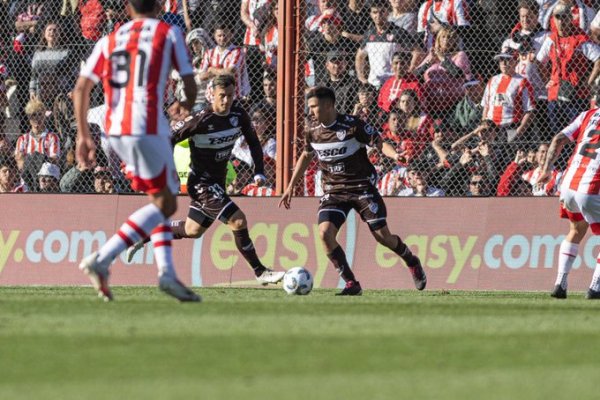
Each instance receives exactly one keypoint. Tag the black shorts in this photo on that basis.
(367, 203)
(209, 203)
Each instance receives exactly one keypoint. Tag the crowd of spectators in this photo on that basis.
(466, 93)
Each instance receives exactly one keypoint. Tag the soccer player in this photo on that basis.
(340, 142)
(133, 63)
(579, 193)
(212, 134)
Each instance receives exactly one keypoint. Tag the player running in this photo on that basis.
(133, 64)
(212, 134)
(579, 193)
(339, 142)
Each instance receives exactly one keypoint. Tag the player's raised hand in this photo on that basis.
(286, 199)
(86, 150)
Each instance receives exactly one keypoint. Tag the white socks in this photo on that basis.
(566, 258)
(161, 238)
(137, 227)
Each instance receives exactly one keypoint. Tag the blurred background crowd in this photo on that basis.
(466, 93)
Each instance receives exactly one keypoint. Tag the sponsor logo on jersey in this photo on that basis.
(332, 152)
(234, 121)
(222, 155)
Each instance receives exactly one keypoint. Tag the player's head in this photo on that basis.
(223, 93)
(321, 103)
(143, 7)
(222, 35)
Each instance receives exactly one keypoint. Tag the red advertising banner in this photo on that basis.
(475, 243)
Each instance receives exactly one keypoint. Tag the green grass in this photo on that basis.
(63, 343)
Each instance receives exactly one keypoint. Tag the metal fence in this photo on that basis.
(425, 73)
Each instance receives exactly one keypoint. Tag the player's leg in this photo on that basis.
(394, 243)
(332, 215)
(568, 251)
(236, 220)
(192, 227)
(590, 208)
(372, 210)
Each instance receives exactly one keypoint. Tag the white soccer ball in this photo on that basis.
(297, 280)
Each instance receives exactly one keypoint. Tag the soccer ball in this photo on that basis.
(297, 281)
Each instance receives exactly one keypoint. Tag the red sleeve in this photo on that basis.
(383, 101)
(508, 179)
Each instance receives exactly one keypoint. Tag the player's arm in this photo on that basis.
(187, 128)
(299, 170)
(255, 150)
(556, 146)
(190, 90)
(86, 148)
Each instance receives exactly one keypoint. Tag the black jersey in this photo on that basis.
(211, 138)
(342, 154)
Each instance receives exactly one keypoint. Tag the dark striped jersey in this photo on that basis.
(211, 139)
(341, 152)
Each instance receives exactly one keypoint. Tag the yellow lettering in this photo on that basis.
(294, 246)
(461, 255)
(6, 247)
(420, 242)
(269, 232)
(223, 252)
(439, 255)
(384, 257)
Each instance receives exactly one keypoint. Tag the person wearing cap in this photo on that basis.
(380, 42)
(401, 81)
(49, 177)
(508, 101)
(322, 41)
(582, 15)
(198, 42)
(343, 84)
(575, 62)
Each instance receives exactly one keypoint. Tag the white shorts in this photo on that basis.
(148, 162)
(585, 204)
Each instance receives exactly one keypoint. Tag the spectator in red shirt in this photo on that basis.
(401, 81)
(572, 56)
(39, 139)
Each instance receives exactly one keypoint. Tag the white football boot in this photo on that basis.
(98, 275)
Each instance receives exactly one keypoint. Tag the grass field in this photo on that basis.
(63, 343)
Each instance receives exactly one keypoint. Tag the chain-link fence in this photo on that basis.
(425, 73)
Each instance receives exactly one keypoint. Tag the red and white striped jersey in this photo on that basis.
(548, 189)
(257, 191)
(583, 172)
(451, 12)
(507, 98)
(269, 47)
(173, 6)
(232, 56)
(134, 63)
(47, 144)
(252, 37)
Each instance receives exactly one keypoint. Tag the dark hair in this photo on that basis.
(379, 4)
(269, 75)
(223, 81)
(322, 93)
(402, 54)
(143, 6)
(221, 26)
(529, 5)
